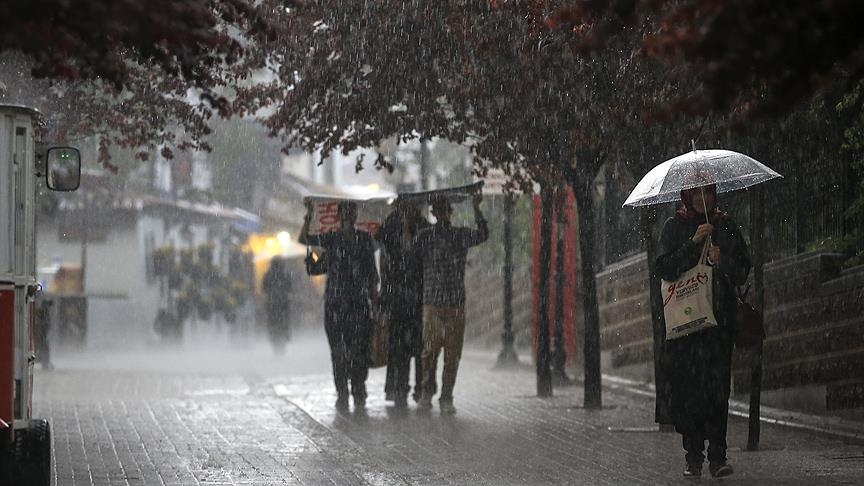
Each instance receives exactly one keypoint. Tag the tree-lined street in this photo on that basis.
(252, 168)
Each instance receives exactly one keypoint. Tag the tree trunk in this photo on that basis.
(559, 352)
(424, 166)
(591, 335)
(544, 373)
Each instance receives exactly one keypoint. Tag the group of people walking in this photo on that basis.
(422, 297)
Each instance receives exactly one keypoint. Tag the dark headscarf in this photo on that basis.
(688, 214)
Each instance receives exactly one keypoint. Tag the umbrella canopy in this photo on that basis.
(729, 170)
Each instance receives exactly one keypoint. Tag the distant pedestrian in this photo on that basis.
(699, 364)
(444, 249)
(351, 290)
(402, 299)
(277, 287)
(43, 329)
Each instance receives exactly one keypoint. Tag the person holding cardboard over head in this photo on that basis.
(350, 293)
(444, 248)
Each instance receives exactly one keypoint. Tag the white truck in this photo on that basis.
(25, 442)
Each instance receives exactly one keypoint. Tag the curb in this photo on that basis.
(849, 430)
(835, 427)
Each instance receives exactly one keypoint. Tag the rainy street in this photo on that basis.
(449, 242)
(239, 416)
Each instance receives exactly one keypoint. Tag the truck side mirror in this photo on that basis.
(63, 168)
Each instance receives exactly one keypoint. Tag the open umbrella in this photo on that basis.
(729, 170)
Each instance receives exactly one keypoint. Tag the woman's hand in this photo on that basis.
(310, 208)
(702, 232)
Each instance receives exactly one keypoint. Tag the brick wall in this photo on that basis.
(814, 319)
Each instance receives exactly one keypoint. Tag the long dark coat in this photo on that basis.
(699, 365)
(277, 286)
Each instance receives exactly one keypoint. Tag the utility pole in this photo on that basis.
(757, 214)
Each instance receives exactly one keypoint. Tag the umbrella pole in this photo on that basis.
(705, 208)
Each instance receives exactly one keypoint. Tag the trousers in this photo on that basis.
(347, 326)
(443, 328)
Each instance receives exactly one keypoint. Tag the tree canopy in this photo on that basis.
(346, 74)
(100, 38)
(135, 74)
(758, 56)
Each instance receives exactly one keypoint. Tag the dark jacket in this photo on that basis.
(351, 271)
(277, 286)
(699, 365)
(402, 268)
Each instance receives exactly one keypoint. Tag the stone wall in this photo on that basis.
(484, 308)
(814, 319)
(625, 319)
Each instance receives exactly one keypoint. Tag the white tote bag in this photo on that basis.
(688, 303)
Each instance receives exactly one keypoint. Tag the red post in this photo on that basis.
(572, 304)
(7, 352)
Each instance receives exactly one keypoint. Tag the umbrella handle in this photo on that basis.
(703, 256)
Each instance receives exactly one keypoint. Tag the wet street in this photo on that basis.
(223, 415)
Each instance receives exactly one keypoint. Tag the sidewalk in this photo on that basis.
(826, 425)
(247, 418)
(503, 434)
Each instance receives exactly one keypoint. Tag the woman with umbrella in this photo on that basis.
(699, 364)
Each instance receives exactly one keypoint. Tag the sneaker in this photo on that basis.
(359, 402)
(390, 396)
(400, 401)
(425, 403)
(693, 470)
(720, 470)
(447, 407)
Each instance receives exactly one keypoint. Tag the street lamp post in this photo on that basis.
(507, 356)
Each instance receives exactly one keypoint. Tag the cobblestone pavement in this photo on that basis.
(243, 417)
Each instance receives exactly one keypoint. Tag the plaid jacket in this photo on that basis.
(444, 250)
